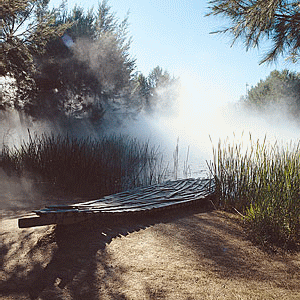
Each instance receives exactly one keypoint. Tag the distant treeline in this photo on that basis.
(74, 64)
(279, 92)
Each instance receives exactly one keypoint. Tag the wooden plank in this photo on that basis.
(139, 200)
(34, 221)
(53, 218)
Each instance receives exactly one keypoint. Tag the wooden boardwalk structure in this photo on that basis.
(158, 197)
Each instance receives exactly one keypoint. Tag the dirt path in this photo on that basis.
(186, 255)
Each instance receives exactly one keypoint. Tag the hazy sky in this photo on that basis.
(176, 36)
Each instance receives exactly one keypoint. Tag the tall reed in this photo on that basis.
(262, 181)
(85, 166)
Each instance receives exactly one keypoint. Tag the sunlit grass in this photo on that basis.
(262, 181)
(86, 167)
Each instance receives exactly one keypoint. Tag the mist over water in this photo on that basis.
(203, 116)
(199, 118)
(14, 128)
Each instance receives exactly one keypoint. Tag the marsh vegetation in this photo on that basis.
(85, 166)
(262, 182)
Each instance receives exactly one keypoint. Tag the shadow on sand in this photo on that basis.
(77, 257)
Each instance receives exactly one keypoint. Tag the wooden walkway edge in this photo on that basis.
(158, 197)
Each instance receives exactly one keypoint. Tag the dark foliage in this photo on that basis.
(279, 92)
(81, 73)
(85, 167)
(27, 26)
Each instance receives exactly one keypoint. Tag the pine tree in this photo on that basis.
(27, 26)
(279, 91)
(253, 21)
(86, 70)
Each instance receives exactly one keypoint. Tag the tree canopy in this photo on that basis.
(75, 64)
(27, 26)
(80, 72)
(279, 91)
(254, 21)
(157, 91)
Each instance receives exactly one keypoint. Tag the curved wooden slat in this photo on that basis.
(156, 197)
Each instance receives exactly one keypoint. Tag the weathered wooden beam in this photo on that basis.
(54, 218)
(144, 200)
(34, 221)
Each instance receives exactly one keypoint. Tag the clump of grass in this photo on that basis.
(262, 181)
(85, 166)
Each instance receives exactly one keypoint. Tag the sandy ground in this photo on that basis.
(194, 253)
(191, 254)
